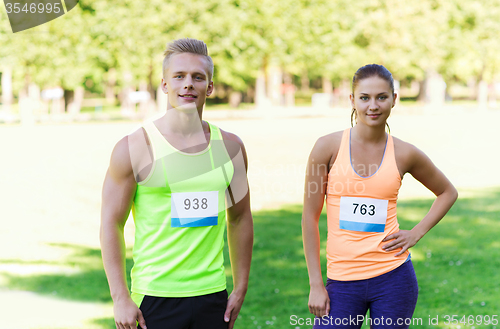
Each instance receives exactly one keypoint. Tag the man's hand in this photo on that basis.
(319, 302)
(402, 239)
(127, 314)
(234, 303)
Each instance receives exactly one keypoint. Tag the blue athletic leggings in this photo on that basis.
(390, 297)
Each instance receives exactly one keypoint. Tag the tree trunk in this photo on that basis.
(343, 93)
(25, 103)
(260, 89)
(144, 104)
(436, 89)
(289, 90)
(397, 88)
(432, 89)
(7, 95)
(493, 95)
(482, 94)
(34, 92)
(421, 90)
(110, 86)
(127, 108)
(304, 82)
(327, 85)
(75, 105)
(249, 95)
(274, 82)
(58, 106)
(69, 95)
(161, 100)
(235, 98)
(151, 103)
(151, 88)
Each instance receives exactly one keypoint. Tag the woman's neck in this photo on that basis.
(368, 134)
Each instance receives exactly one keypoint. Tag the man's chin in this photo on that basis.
(186, 107)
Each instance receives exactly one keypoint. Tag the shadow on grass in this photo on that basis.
(87, 283)
(456, 264)
(105, 323)
(278, 285)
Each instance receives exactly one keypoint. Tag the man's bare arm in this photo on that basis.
(239, 228)
(117, 197)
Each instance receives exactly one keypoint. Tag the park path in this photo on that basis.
(52, 176)
(27, 310)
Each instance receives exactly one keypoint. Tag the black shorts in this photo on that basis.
(199, 312)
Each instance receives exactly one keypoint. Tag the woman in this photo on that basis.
(360, 171)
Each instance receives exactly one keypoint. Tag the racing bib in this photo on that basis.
(363, 214)
(194, 209)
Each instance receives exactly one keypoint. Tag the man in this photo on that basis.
(179, 175)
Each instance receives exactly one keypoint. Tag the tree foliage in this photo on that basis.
(325, 38)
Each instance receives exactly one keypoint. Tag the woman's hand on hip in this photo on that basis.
(402, 239)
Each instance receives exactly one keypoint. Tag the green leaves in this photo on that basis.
(324, 38)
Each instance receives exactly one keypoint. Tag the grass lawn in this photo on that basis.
(457, 266)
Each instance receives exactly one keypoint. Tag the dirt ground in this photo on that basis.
(51, 179)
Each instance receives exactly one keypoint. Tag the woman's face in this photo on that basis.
(373, 100)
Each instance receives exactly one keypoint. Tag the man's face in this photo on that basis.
(186, 81)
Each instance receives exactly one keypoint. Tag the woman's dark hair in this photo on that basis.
(369, 71)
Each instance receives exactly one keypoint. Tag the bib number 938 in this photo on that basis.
(191, 209)
(195, 204)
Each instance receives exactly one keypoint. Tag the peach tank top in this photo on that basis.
(361, 212)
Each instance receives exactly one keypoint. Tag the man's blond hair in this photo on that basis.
(190, 46)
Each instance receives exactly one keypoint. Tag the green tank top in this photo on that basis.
(179, 214)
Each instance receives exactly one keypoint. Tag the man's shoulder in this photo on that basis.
(121, 150)
(120, 164)
(131, 152)
(233, 143)
(228, 136)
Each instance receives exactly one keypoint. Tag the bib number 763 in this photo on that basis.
(363, 214)
(364, 209)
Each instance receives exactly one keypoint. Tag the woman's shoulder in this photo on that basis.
(403, 148)
(331, 139)
(327, 146)
(406, 154)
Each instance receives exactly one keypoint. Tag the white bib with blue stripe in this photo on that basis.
(194, 209)
(363, 214)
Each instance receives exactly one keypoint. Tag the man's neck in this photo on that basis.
(183, 123)
(184, 128)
